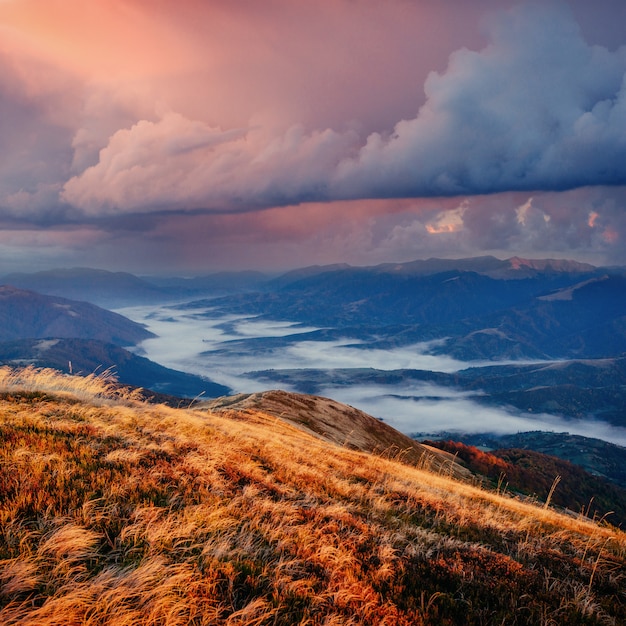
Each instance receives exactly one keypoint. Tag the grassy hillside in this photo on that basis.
(533, 473)
(114, 511)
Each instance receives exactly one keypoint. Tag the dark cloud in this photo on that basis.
(536, 109)
(516, 143)
(35, 142)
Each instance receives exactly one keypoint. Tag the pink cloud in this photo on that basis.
(537, 108)
(284, 121)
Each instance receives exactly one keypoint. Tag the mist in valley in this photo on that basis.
(231, 350)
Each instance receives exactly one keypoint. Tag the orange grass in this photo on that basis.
(119, 512)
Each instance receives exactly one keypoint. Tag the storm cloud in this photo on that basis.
(536, 109)
(301, 133)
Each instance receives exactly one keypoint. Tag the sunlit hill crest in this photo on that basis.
(121, 512)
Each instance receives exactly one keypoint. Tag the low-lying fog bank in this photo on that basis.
(228, 349)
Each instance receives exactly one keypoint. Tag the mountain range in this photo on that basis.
(566, 320)
(75, 336)
(573, 311)
(258, 507)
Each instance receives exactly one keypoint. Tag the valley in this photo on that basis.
(534, 346)
(459, 348)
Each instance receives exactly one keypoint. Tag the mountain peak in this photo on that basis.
(553, 265)
(337, 423)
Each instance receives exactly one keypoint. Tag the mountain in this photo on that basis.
(26, 314)
(87, 356)
(119, 512)
(338, 423)
(583, 320)
(534, 473)
(218, 283)
(358, 296)
(103, 288)
(113, 290)
(305, 272)
(555, 309)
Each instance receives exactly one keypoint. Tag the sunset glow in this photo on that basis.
(315, 132)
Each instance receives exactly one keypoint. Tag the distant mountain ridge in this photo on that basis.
(88, 356)
(27, 314)
(100, 287)
(118, 289)
(515, 267)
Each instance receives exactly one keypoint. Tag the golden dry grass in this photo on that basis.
(127, 513)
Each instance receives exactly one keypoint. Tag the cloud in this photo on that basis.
(177, 163)
(536, 109)
(450, 412)
(170, 143)
(35, 150)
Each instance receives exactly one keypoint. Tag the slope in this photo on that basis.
(535, 473)
(117, 512)
(340, 424)
(27, 314)
(86, 356)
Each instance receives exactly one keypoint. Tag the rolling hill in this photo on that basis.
(119, 512)
(88, 356)
(27, 314)
(339, 424)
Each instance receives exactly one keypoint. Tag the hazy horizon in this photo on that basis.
(277, 272)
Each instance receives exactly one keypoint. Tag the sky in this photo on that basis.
(205, 135)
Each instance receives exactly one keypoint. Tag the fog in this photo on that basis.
(434, 409)
(220, 348)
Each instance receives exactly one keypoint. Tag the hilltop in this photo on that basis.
(115, 511)
(340, 424)
(27, 314)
